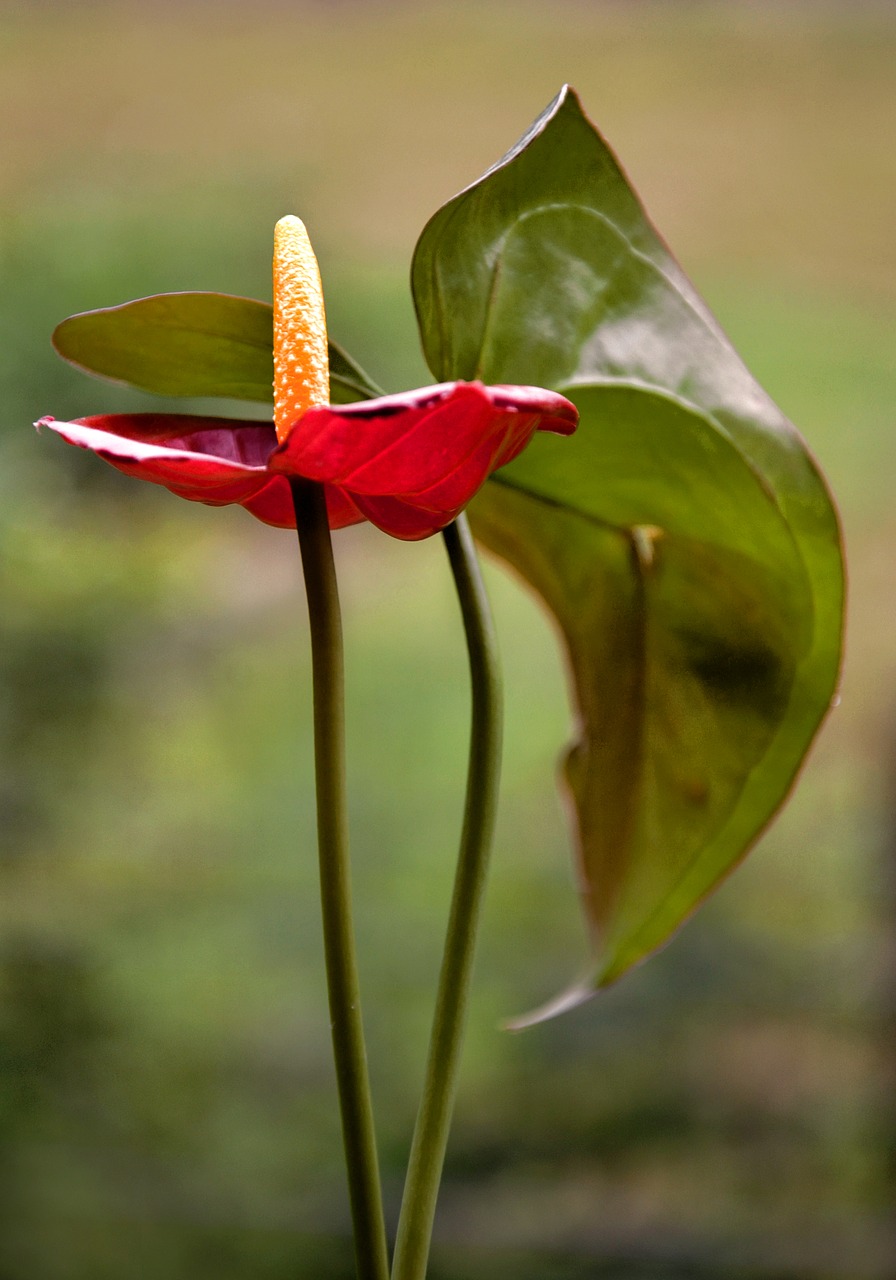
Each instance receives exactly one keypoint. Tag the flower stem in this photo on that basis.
(332, 827)
(440, 1086)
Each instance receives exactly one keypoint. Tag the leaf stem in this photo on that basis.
(440, 1086)
(349, 1052)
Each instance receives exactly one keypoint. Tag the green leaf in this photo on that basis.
(348, 381)
(192, 344)
(683, 538)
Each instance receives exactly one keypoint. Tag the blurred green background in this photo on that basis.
(166, 1101)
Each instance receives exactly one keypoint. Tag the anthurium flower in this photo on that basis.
(409, 463)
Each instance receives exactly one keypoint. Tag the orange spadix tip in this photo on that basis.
(301, 362)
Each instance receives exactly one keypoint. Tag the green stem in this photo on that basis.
(440, 1086)
(332, 837)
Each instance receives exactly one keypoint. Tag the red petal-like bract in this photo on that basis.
(412, 462)
(409, 463)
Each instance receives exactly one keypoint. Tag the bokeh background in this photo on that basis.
(166, 1100)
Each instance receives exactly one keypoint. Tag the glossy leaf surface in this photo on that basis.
(193, 344)
(683, 539)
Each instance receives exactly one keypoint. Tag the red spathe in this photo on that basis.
(409, 463)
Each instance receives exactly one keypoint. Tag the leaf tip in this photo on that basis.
(572, 998)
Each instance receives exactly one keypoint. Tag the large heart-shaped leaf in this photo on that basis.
(193, 344)
(683, 539)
